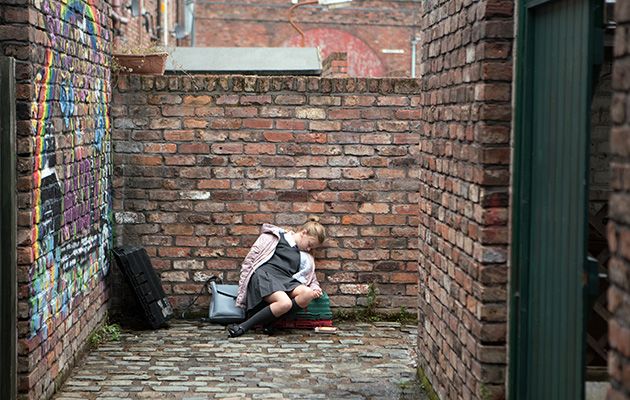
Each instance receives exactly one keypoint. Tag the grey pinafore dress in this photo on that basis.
(276, 275)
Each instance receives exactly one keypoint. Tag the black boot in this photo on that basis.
(263, 317)
(235, 330)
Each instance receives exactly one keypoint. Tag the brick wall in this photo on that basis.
(335, 66)
(466, 70)
(63, 181)
(619, 225)
(201, 164)
(363, 30)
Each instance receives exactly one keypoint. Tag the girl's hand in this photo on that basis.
(317, 293)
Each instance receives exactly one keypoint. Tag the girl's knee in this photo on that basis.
(311, 295)
(284, 305)
(305, 298)
(300, 290)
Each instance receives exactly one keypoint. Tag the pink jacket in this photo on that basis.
(260, 253)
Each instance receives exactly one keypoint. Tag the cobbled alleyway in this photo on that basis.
(192, 360)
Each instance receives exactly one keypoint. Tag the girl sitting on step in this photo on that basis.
(275, 277)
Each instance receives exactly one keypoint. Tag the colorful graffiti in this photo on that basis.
(72, 206)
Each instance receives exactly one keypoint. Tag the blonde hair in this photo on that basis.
(314, 228)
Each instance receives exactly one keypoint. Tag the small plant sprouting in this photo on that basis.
(140, 50)
(484, 393)
(369, 313)
(371, 297)
(105, 333)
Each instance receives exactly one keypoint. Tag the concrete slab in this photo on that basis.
(246, 60)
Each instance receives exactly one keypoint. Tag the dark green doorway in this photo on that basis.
(555, 56)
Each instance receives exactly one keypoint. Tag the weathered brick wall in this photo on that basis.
(335, 66)
(619, 225)
(363, 30)
(466, 70)
(201, 164)
(63, 181)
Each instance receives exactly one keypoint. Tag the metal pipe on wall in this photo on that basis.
(414, 42)
(164, 22)
(192, 32)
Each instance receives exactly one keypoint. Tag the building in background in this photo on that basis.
(377, 35)
(138, 23)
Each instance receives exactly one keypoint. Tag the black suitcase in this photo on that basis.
(137, 268)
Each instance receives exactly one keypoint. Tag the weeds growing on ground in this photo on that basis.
(105, 333)
(369, 313)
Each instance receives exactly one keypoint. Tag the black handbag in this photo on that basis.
(223, 309)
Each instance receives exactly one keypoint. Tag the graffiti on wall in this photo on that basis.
(72, 206)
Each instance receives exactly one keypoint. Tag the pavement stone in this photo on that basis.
(191, 360)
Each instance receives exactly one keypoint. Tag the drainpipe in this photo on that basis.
(119, 18)
(164, 15)
(192, 32)
(414, 42)
(117, 12)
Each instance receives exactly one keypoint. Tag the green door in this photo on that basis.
(8, 261)
(550, 199)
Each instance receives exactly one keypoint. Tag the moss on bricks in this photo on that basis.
(426, 385)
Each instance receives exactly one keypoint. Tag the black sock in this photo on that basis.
(295, 307)
(263, 317)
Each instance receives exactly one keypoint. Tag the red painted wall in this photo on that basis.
(362, 60)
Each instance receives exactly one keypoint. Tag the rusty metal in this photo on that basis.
(293, 24)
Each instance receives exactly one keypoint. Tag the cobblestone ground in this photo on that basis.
(192, 360)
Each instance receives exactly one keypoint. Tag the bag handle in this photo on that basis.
(213, 278)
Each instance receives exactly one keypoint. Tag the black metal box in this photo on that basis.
(136, 266)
